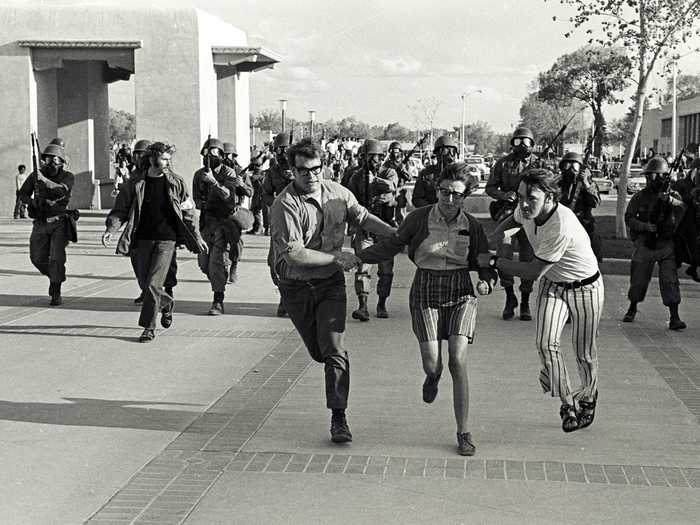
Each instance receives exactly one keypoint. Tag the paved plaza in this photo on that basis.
(222, 420)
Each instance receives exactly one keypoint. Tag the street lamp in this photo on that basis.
(283, 110)
(463, 147)
(312, 117)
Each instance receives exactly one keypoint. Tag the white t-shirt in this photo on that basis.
(563, 242)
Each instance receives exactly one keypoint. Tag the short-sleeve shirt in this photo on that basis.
(562, 242)
(447, 245)
(299, 221)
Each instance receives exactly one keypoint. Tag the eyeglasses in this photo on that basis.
(568, 165)
(454, 194)
(315, 170)
(527, 141)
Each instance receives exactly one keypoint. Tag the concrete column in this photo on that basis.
(234, 113)
(16, 103)
(82, 113)
(47, 102)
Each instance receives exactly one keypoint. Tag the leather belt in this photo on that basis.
(578, 284)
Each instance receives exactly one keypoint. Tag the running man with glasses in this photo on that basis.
(307, 221)
(503, 186)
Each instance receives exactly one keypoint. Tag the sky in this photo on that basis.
(386, 61)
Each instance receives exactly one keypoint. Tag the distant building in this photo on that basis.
(657, 126)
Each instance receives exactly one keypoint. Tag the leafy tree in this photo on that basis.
(686, 86)
(122, 126)
(269, 119)
(652, 31)
(546, 118)
(396, 131)
(592, 74)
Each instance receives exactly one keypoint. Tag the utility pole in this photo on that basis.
(283, 110)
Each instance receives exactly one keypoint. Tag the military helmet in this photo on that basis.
(571, 156)
(141, 145)
(656, 165)
(372, 147)
(230, 148)
(395, 145)
(54, 150)
(58, 142)
(522, 132)
(211, 144)
(445, 141)
(281, 139)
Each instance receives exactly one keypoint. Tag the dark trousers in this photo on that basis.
(262, 216)
(525, 254)
(385, 269)
(170, 279)
(225, 247)
(47, 248)
(642, 267)
(153, 258)
(317, 309)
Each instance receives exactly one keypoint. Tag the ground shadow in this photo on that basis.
(108, 413)
(73, 331)
(123, 304)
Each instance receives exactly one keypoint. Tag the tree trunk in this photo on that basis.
(639, 100)
(599, 123)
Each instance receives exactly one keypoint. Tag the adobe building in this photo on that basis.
(657, 126)
(191, 75)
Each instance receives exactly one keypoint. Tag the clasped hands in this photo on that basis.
(346, 260)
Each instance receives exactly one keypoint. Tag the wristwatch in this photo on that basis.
(493, 261)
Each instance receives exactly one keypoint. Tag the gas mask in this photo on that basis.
(374, 162)
(212, 161)
(522, 146)
(656, 182)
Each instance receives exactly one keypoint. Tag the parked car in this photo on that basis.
(634, 184)
(478, 161)
(604, 184)
(635, 172)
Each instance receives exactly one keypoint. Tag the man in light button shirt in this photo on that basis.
(571, 285)
(307, 221)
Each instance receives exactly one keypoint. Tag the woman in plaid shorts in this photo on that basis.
(443, 242)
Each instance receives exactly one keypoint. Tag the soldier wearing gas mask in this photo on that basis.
(395, 161)
(580, 194)
(503, 186)
(424, 192)
(218, 192)
(652, 216)
(47, 193)
(375, 189)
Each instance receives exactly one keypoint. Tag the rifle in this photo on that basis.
(556, 137)
(418, 145)
(584, 166)
(36, 152)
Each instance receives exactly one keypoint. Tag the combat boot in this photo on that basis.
(381, 308)
(511, 304)
(361, 314)
(525, 314)
(675, 322)
(631, 313)
(217, 306)
(55, 293)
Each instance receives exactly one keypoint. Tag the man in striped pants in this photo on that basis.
(571, 285)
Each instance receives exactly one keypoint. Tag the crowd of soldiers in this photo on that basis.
(232, 199)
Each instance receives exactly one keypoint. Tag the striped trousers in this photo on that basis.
(585, 306)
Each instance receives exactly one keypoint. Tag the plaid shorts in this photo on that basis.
(442, 304)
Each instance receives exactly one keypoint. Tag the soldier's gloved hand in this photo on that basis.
(209, 177)
(203, 248)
